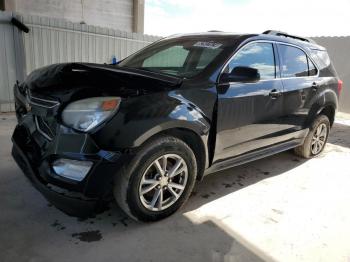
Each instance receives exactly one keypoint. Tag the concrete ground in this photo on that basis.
(281, 208)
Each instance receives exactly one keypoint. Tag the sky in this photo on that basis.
(300, 17)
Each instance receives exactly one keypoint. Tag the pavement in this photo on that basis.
(281, 208)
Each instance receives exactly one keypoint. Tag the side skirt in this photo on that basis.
(251, 156)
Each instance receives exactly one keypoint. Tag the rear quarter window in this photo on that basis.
(323, 62)
(321, 57)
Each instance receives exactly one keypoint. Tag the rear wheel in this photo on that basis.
(158, 181)
(316, 140)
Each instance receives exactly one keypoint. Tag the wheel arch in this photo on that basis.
(194, 140)
(328, 111)
(326, 104)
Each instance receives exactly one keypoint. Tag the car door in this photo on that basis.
(248, 113)
(300, 84)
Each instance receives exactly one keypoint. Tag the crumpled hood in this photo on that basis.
(110, 79)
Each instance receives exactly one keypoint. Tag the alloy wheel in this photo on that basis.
(163, 182)
(319, 139)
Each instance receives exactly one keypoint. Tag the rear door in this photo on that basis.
(248, 113)
(300, 84)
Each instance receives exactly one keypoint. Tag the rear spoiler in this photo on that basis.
(279, 33)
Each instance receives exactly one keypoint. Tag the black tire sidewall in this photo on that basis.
(166, 145)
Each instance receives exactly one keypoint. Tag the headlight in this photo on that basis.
(86, 114)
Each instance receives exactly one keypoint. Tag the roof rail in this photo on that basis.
(279, 33)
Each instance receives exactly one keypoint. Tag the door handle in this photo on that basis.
(275, 94)
(315, 86)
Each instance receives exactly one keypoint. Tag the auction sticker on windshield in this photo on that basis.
(211, 44)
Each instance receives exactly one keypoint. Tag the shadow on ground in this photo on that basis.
(340, 135)
(31, 229)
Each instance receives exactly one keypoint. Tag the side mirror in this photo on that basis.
(241, 74)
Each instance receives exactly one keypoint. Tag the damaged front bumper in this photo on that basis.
(35, 154)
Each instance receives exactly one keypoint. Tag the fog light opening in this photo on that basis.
(71, 169)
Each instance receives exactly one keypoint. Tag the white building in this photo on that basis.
(126, 15)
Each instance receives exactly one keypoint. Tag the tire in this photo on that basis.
(307, 149)
(129, 183)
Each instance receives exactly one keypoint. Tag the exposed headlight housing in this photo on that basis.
(88, 113)
(72, 169)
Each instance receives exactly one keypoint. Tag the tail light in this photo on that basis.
(340, 86)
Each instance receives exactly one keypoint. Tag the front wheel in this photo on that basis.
(158, 181)
(316, 140)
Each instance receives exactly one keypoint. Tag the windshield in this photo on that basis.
(179, 57)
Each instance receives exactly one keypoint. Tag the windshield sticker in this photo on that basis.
(211, 44)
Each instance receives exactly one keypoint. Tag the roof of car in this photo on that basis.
(296, 40)
(208, 34)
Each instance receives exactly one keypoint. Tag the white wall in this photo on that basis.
(116, 14)
(338, 50)
(53, 40)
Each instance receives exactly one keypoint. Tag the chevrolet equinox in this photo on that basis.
(143, 131)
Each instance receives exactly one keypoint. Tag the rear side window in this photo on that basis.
(256, 55)
(294, 61)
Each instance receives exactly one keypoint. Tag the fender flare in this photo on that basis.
(322, 101)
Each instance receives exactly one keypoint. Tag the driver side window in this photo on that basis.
(259, 56)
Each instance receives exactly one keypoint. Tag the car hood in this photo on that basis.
(66, 78)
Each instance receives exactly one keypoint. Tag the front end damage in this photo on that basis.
(44, 147)
(39, 141)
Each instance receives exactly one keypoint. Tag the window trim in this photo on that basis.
(275, 46)
(308, 64)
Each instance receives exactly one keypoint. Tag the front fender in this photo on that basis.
(140, 118)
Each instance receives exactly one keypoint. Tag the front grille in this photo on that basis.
(23, 139)
(43, 110)
(41, 102)
(44, 127)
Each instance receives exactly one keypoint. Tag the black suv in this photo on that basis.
(143, 131)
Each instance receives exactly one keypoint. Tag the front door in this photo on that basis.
(249, 113)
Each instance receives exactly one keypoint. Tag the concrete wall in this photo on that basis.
(116, 14)
(338, 50)
(11, 60)
(139, 16)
